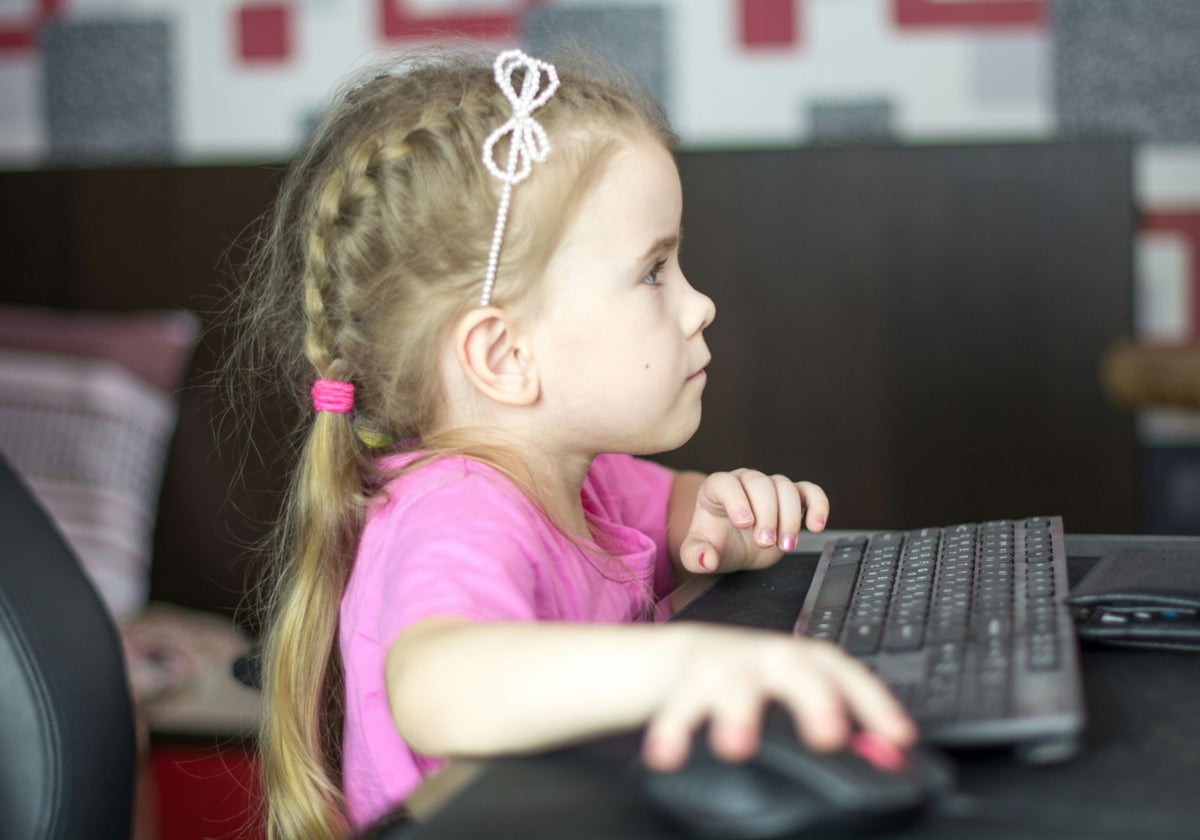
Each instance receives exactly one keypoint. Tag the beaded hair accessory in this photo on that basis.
(529, 142)
(333, 395)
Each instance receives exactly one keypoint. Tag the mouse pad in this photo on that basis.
(1141, 597)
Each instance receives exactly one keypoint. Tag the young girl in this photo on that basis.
(478, 267)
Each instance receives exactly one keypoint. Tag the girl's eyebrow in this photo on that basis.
(664, 243)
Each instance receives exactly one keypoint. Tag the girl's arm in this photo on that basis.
(742, 519)
(459, 688)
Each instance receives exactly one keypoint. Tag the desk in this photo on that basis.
(1137, 777)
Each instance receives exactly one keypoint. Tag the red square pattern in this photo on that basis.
(970, 13)
(264, 32)
(23, 36)
(769, 23)
(397, 22)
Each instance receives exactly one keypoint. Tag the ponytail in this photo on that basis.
(301, 735)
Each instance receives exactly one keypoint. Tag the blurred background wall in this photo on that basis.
(99, 82)
(91, 84)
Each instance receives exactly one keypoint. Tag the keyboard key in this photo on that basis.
(992, 626)
(1043, 652)
(901, 637)
(837, 586)
(862, 637)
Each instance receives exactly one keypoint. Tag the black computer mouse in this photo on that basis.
(791, 790)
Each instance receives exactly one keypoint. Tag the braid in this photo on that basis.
(347, 195)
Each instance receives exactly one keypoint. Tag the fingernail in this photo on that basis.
(766, 537)
(745, 517)
(700, 561)
(662, 756)
(655, 753)
(820, 520)
(788, 542)
(881, 753)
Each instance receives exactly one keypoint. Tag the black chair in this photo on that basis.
(67, 738)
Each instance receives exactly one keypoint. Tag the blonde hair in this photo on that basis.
(376, 246)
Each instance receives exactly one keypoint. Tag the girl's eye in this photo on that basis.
(651, 276)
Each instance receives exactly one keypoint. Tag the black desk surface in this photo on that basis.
(1138, 775)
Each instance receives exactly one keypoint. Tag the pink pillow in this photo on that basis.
(155, 346)
(87, 410)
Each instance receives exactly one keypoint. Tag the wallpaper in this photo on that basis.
(101, 82)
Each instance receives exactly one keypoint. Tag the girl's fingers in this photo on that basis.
(699, 556)
(721, 500)
(749, 497)
(736, 722)
(816, 503)
(816, 708)
(868, 700)
(791, 511)
(729, 684)
(764, 501)
(722, 495)
(767, 513)
(668, 738)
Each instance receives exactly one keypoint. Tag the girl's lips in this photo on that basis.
(700, 374)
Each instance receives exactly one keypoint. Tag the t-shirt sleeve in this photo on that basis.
(637, 493)
(462, 549)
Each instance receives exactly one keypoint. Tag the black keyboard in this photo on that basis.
(967, 626)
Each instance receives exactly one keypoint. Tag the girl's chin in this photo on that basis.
(685, 434)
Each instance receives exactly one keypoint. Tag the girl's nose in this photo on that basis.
(699, 311)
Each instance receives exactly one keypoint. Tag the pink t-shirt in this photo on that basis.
(455, 537)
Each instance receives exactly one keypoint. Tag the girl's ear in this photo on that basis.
(492, 358)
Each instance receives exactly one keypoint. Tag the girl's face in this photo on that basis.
(619, 343)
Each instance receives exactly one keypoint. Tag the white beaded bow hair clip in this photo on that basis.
(529, 142)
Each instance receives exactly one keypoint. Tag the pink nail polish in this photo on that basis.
(788, 542)
(700, 561)
(883, 755)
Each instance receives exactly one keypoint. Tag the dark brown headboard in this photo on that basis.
(883, 314)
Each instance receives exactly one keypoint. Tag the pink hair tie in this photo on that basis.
(333, 395)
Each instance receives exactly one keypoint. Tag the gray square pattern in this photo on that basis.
(109, 91)
(851, 121)
(634, 37)
(1129, 68)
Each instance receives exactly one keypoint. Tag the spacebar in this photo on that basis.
(837, 586)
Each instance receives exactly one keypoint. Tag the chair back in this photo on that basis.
(67, 738)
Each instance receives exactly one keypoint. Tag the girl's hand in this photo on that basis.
(747, 520)
(728, 675)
